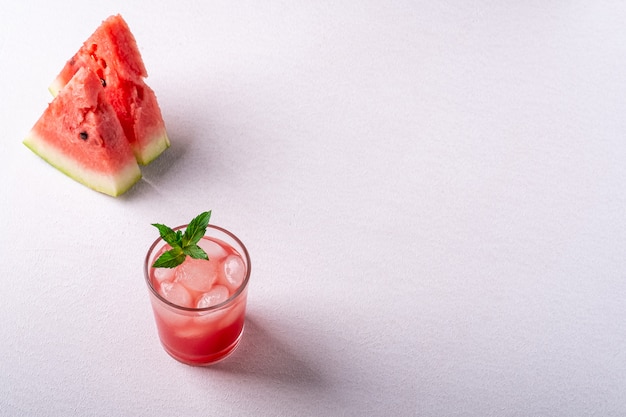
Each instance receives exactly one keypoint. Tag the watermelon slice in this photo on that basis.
(111, 53)
(79, 134)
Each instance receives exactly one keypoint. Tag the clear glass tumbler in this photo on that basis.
(200, 306)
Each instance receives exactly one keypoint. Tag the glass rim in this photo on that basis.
(240, 289)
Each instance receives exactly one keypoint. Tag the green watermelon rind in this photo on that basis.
(156, 145)
(113, 185)
(55, 87)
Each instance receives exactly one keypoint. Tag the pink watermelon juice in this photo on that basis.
(200, 306)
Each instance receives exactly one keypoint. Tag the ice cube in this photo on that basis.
(235, 312)
(168, 315)
(197, 274)
(234, 271)
(216, 295)
(163, 274)
(192, 331)
(176, 294)
(213, 249)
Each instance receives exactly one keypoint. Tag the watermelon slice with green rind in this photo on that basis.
(80, 134)
(111, 52)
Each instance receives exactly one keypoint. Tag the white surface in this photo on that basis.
(432, 193)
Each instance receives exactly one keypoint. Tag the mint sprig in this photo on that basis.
(183, 244)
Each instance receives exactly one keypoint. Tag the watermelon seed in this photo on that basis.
(104, 83)
(84, 135)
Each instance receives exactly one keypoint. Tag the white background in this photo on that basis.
(432, 194)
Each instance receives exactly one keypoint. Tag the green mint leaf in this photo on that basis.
(196, 229)
(168, 234)
(195, 252)
(183, 244)
(170, 259)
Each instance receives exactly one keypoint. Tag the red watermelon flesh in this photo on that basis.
(111, 52)
(80, 134)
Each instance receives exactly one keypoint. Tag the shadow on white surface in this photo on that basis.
(158, 170)
(185, 158)
(261, 355)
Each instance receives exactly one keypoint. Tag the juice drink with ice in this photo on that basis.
(199, 306)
